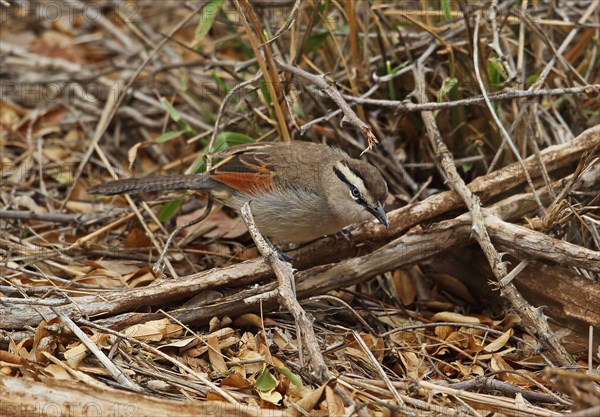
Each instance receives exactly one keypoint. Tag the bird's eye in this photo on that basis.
(354, 193)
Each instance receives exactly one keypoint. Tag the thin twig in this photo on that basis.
(334, 94)
(403, 106)
(535, 322)
(116, 372)
(285, 277)
(197, 375)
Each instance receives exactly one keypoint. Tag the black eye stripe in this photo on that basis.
(360, 200)
(343, 178)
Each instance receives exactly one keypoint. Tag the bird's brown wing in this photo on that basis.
(248, 171)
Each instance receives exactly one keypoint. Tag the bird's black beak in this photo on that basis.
(379, 214)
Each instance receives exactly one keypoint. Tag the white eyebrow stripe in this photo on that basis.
(352, 178)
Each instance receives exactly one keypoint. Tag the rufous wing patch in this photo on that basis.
(247, 172)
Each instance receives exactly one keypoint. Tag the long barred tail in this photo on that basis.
(158, 183)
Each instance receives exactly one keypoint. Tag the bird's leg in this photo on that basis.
(280, 254)
(159, 266)
(346, 234)
(284, 256)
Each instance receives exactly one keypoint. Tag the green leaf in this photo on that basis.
(315, 41)
(294, 379)
(496, 71)
(220, 83)
(532, 79)
(167, 136)
(223, 141)
(176, 116)
(209, 13)
(299, 112)
(446, 9)
(266, 381)
(265, 91)
(199, 165)
(391, 88)
(231, 139)
(169, 209)
(446, 88)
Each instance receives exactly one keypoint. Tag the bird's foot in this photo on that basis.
(281, 255)
(284, 256)
(346, 234)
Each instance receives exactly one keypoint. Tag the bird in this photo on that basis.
(298, 191)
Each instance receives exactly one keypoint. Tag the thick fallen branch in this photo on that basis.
(522, 242)
(110, 303)
(370, 235)
(533, 321)
(568, 297)
(413, 247)
(21, 396)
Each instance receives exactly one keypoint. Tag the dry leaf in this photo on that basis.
(43, 342)
(405, 287)
(333, 403)
(236, 380)
(443, 332)
(499, 364)
(154, 330)
(8, 357)
(249, 319)
(508, 322)
(187, 342)
(282, 341)
(468, 370)
(214, 355)
(137, 239)
(455, 318)
(405, 339)
(396, 320)
(103, 278)
(499, 342)
(132, 153)
(75, 355)
(142, 278)
(308, 402)
(251, 356)
(217, 225)
(120, 267)
(475, 345)
(271, 396)
(412, 364)
(454, 286)
(58, 372)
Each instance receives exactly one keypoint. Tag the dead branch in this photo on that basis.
(78, 399)
(410, 248)
(349, 115)
(368, 236)
(287, 297)
(405, 106)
